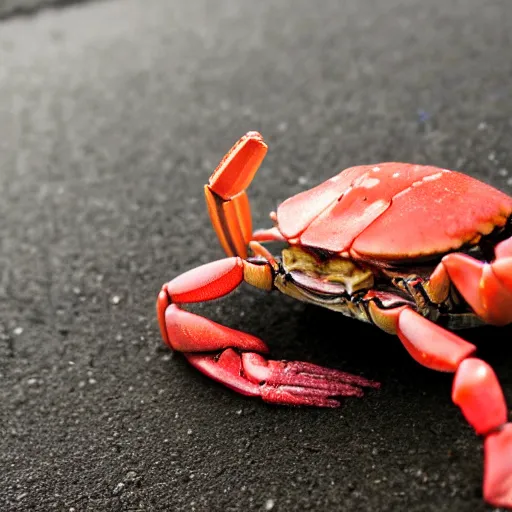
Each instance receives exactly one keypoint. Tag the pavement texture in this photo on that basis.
(112, 116)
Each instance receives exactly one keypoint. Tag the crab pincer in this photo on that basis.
(235, 358)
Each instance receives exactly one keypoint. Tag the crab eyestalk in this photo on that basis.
(227, 201)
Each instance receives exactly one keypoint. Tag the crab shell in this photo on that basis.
(393, 211)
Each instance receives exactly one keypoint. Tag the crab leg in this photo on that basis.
(476, 390)
(486, 287)
(235, 358)
(225, 194)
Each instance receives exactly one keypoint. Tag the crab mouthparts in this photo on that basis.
(330, 275)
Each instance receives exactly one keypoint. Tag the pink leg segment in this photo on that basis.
(486, 287)
(235, 358)
(476, 391)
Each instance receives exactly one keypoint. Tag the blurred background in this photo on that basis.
(113, 114)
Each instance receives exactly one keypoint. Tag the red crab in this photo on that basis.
(415, 250)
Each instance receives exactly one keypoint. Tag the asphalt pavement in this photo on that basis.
(112, 116)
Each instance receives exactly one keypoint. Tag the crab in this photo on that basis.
(416, 250)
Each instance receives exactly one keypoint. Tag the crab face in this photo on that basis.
(331, 274)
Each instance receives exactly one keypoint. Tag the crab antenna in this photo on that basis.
(227, 201)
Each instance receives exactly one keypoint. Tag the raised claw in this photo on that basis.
(227, 201)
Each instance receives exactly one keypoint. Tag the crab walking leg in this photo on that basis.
(476, 391)
(235, 358)
(486, 287)
(225, 194)
(268, 235)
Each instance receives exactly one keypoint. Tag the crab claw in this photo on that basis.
(233, 357)
(280, 382)
(226, 199)
(300, 381)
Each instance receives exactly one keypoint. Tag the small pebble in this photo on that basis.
(269, 504)
(118, 488)
(131, 475)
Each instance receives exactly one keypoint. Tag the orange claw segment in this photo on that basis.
(210, 281)
(243, 212)
(477, 392)
(225, 194)
(217, 217)
(231, 221)
(236, 226)
(431, 345)
(189, 332)
(498, 468)
(259, 276)
(237, 169)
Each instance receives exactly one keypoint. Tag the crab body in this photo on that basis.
(393, 212)
(379, 231)
(416, 250)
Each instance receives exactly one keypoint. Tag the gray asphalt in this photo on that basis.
(112, 116)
